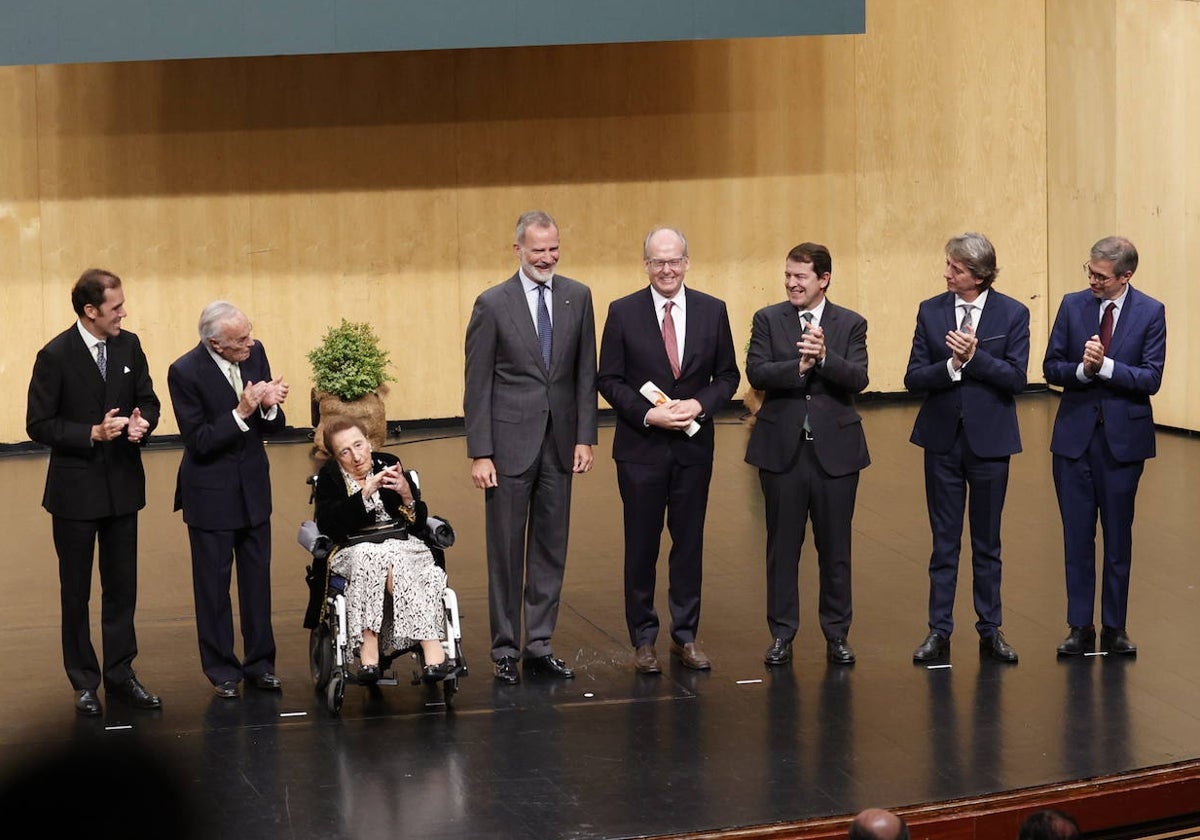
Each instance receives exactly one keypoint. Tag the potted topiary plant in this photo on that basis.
(350, 372)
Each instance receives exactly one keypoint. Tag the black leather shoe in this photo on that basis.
(506, 670)
(548, 666)
(227, 690)
(779, 653)
(1115, 640)
(265, 682)
(997, 648)
(1079, 641)
(438, 672)
(935, 646)
(134, 693)
(839, 652)
(368, 675)
(87, 702)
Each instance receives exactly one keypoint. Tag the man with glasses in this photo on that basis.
(667, 365)
(225, 401)
(1106, 351)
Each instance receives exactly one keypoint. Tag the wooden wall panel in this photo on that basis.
(951, 138)
(384, 187)
(22, 306)
(1124, 108)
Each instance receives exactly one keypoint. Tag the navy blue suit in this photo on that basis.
(968, 429)
(1103, 434)
(664, 470)
(224, 491)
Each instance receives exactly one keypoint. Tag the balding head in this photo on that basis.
(878, 824)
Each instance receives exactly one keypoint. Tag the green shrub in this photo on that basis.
(349, 362)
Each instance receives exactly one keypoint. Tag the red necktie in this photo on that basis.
(669, 339)
(1106, 325)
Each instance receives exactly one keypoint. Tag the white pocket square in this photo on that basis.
(126, 368)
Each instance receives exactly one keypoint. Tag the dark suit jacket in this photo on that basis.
(224, 480)
(67, 396)
(983, 398)
(1139, 352)
(632, 353)
(509, 395)
(825, 394)
(338, 514)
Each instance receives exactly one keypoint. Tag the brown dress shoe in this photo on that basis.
(691, 656)
(645, 660)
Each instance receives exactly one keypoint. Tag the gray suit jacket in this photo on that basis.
(509, 395)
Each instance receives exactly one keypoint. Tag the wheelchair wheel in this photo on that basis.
(335, 692)
(320, 655)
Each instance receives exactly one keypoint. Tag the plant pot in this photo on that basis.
(369, 412)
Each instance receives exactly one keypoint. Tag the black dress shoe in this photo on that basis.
(997, 648)
(368, 675)
(779, 653)
(134, 693)
(87, 702)
(839, 652)
(548, 666)
(438, 672)
(1079, 641)
(506, 670)
(265, 682)
(227, 690)
(935, 646)
(1115, 640)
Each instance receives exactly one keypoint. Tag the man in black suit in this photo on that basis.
(530, 408)
(969, 355)
(92, 402)
(678, 341)
(810, 357)
(225, 401)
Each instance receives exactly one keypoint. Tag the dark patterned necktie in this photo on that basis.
(545, 331)
(102, 361)
(1106, 325)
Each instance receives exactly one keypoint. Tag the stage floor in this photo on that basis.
(613, 754)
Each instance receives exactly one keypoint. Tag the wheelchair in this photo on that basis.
(329, 646)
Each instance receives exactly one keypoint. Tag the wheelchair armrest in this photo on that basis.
(313, 541)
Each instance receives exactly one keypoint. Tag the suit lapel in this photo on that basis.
(950, 312)
(1129, 311)
(518, 311)
(560, 310)
(81, 357)
(789, 323)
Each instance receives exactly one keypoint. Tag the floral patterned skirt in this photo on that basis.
(417, 611)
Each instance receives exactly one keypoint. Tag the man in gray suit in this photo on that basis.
(530, 407)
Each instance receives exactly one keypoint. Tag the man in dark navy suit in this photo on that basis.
(1107, 351)
(92, 402)
(678, 340)
(225, 401)
(809, 356)
(969, 357)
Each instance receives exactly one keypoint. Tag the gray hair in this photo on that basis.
(975, 252)
(1119, 251)
(214, 316)
(533, 218)
(650, 235)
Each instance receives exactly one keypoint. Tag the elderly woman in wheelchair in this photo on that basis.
(394, 594)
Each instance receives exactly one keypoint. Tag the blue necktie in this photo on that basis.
(545, 333)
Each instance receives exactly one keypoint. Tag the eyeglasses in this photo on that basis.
(1095, 276)
(659, 265)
